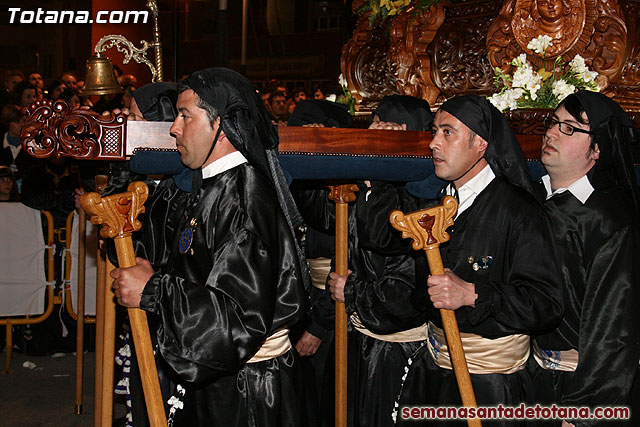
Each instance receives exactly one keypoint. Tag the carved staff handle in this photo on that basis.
(118, 215)
(341, 195)
(427, 229)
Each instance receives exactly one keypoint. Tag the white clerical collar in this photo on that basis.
(581, 189)
(223, 164)
(468, 192)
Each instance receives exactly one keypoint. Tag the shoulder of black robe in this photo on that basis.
(247, 126)
(503, 153)
(412, 111)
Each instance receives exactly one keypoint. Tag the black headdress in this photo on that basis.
(614, 133)
(248, 128)
(157, 101)
(330, 114)
(414, 112)
(503, 153)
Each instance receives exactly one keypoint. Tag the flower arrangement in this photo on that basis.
(381, 9)
(346, 98)
(528, 88)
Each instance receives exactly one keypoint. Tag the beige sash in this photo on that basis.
(504, 355)
(556, 360)
(416, 334)
(320, 269)
(276, 345)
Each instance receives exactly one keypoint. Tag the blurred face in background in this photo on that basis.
(35, 80)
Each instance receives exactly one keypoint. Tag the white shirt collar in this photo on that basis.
(223, 164)
(470, 190)
(14, 150)
(581, 189)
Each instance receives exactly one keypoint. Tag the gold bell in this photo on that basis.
(100, 79)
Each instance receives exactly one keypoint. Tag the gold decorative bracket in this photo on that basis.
(139, 55)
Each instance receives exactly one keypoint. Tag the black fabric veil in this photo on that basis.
(157, 101)
(503, 154)
(330, 114)
(246, 124)
(614, 133)
(414, 112)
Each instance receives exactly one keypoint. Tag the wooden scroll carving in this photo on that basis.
(408, 58)
(460, 62)
(53, 129)
(451, 48)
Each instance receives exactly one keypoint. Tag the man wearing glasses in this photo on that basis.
(591, 358)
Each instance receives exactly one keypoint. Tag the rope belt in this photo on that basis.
(415, 334)
(320, 269)
(504, 355)
(556, 360)
(276, 345)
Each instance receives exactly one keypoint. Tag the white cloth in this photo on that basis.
(581, 189)
(22, 269)
(223, 164)
(91, 273)
(469, 191)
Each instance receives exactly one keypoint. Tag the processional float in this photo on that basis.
(53, 129)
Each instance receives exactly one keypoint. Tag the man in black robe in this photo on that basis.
(234, 281)
(381, 295)
(590, 359)
(497, 278)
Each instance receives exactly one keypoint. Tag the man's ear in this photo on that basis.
(595, 152)
(482, 144)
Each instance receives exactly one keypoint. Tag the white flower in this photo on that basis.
(342, 81)
(561, 89)
(540, 44)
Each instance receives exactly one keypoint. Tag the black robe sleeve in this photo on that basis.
(390, 302)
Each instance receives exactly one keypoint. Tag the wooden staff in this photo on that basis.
(118, 214)
(341, 195)
(82, 252)
(101, 272)
(427, 229)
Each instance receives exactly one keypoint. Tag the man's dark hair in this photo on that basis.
(212, 113)
(576, 110)
(273, 94)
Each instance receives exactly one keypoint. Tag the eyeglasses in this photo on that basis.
(563, 127)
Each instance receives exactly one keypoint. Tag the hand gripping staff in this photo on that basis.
(118, 215)
(427, 229)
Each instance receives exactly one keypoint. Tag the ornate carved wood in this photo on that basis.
(437, 58)
(52, 128)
